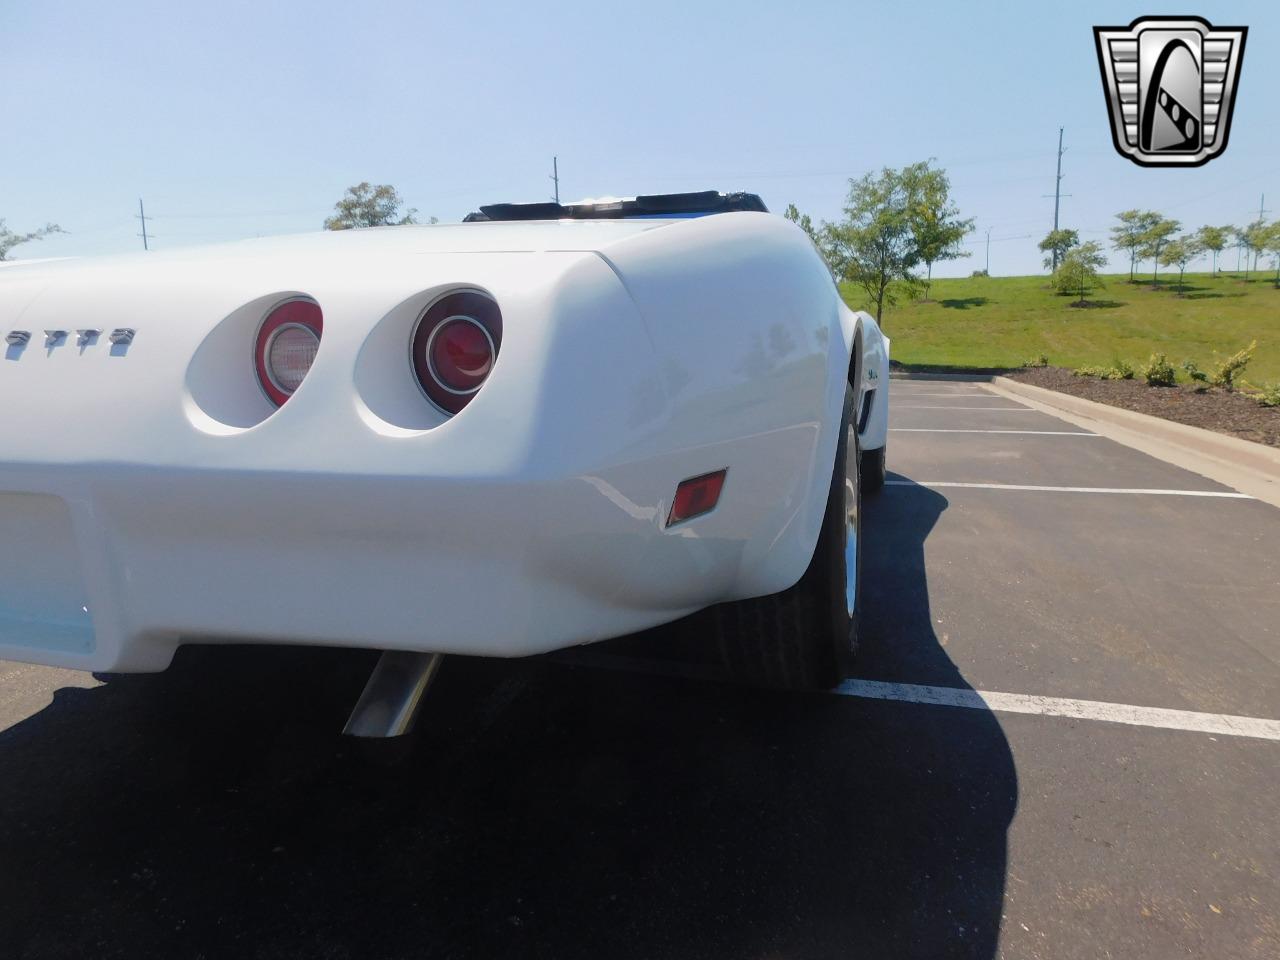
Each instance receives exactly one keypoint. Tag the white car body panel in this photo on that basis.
(150, 494)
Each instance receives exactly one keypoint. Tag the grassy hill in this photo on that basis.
(1003, 321)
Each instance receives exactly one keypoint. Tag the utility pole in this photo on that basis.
(555, 176)
(142, 215)
(1057, 193)
(988, 251)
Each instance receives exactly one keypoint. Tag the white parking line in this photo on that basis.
(1228, 494)
(1218, 723)
(953, 393)
(1223, 724)
(943, 406)
(1031, 433)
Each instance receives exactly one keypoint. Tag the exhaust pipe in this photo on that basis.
(389, 704)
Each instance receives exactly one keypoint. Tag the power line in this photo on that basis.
(1021, 236)
(235, 216)
(843, 174)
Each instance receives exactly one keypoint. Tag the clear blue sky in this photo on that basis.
(236, 119)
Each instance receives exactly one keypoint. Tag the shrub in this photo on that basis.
(1040, 361)
(1121, 370)
(1232, 367)
(979, 273)
(1269, 394)
(1159, 372)
(1194, 372)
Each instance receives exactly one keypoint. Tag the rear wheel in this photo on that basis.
(873, 470)
(806, 636)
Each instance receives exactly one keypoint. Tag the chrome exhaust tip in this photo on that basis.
(389, 704)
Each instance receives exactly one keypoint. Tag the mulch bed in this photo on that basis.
(1217, 410)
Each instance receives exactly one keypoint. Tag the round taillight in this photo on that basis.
(454, 347)
(460, 353)
(286, 347)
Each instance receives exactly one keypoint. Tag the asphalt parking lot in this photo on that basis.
(629, 804)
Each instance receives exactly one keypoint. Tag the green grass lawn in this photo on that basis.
(985, 322)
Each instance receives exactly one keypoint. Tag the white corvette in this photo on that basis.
(543, 427)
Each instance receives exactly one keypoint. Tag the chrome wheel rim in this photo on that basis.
(851, 523)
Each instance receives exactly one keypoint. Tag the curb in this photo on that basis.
(1247, 467)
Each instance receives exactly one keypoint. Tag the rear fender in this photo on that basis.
(869, 374)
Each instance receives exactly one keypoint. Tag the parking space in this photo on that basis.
(1161, 601)
(604, 806)
(1064, 457)
(1152, 598)
(1001, 415)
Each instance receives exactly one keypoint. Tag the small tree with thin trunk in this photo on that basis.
(1128, 235)
(1237, 241)
(1254, 237)
(1215, 240)
(1272, 246)
(1153, 240)
(9, 239)
(936, 224)
(1178, 253)
(1078, 271)
(873, 245)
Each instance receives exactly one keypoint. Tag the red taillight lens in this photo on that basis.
(461, 353)
(286, 347)
(696, 496)
(454, 348)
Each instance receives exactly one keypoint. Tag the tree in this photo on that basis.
(1078, 271)
(873, 245)
(1254, 238)
(9, 239)
(1056, 243)
(1156, 236)
(1272, 245)
(936, 224)
(1178, 253)
(1237, 241)
(803, 221)
(365, 205)
(1128, 234)
(1214, 239)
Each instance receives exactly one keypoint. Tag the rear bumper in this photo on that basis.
(111, 568)
(151, 503)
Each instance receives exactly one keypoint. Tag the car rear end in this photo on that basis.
(362, 445)
(493, 438)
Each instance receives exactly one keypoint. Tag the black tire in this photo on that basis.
(873, 471)
(805, 637)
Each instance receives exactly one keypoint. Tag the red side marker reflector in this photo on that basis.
(696, 496)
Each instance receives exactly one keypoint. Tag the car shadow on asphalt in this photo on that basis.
(545, 810)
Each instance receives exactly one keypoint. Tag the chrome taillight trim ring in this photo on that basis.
(260, 346)
(417, 373)
(266, 352)
(431, 339)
